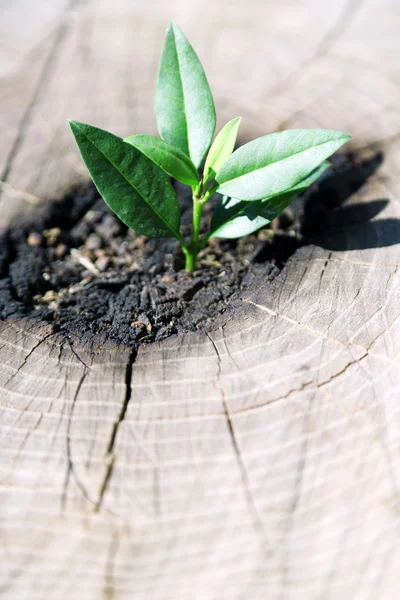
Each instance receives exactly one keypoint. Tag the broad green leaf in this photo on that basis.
(172, 160)
(247, 217)
(222, 147)
(235, 218)
(138, 191)
(184, 104)
(272, 164)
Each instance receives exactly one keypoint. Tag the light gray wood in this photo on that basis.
(261, 460)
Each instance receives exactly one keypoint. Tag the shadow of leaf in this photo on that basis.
(349, 231)
(330, 225)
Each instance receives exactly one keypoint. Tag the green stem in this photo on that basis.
(190, 261)
(193, 248)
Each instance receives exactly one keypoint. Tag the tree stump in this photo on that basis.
(258, 461)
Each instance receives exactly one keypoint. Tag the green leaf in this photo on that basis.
(184, 105)
(272, 164)
(222, 147)
(235, 218)
(139, 193)
(172, 160)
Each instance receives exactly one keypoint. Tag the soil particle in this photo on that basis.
(77, 266)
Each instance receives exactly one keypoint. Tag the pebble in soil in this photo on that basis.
(77, 266)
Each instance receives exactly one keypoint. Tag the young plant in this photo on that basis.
(257, 181)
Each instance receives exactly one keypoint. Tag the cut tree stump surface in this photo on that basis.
(261, 460)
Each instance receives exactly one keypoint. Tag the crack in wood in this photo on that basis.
(109, 583)
(238, 452)
(49, 64)
(308, 385)
(31, 351)
(333, 34)
(347, 262)
(110, 456)
(70, 465)
(288, 527)
(320, 334)
(334, 496)
(70, 343)
(322, 272)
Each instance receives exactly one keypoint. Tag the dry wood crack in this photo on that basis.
(27, 357)
(110, 455)
(172, 473)
(239, 456)
(70, 464)
(52, 57)
(332, 36)
(74, 352)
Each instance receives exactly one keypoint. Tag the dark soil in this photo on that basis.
(77, 266)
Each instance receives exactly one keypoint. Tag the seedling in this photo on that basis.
(257, 181)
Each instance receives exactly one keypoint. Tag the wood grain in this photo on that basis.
(261, 460)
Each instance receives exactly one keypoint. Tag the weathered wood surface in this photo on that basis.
(261, 461)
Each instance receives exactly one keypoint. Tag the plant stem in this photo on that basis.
(190, 262)
(193, 248)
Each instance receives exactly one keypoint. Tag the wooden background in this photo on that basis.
(262, 461)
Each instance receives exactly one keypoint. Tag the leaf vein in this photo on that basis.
(160, 216)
